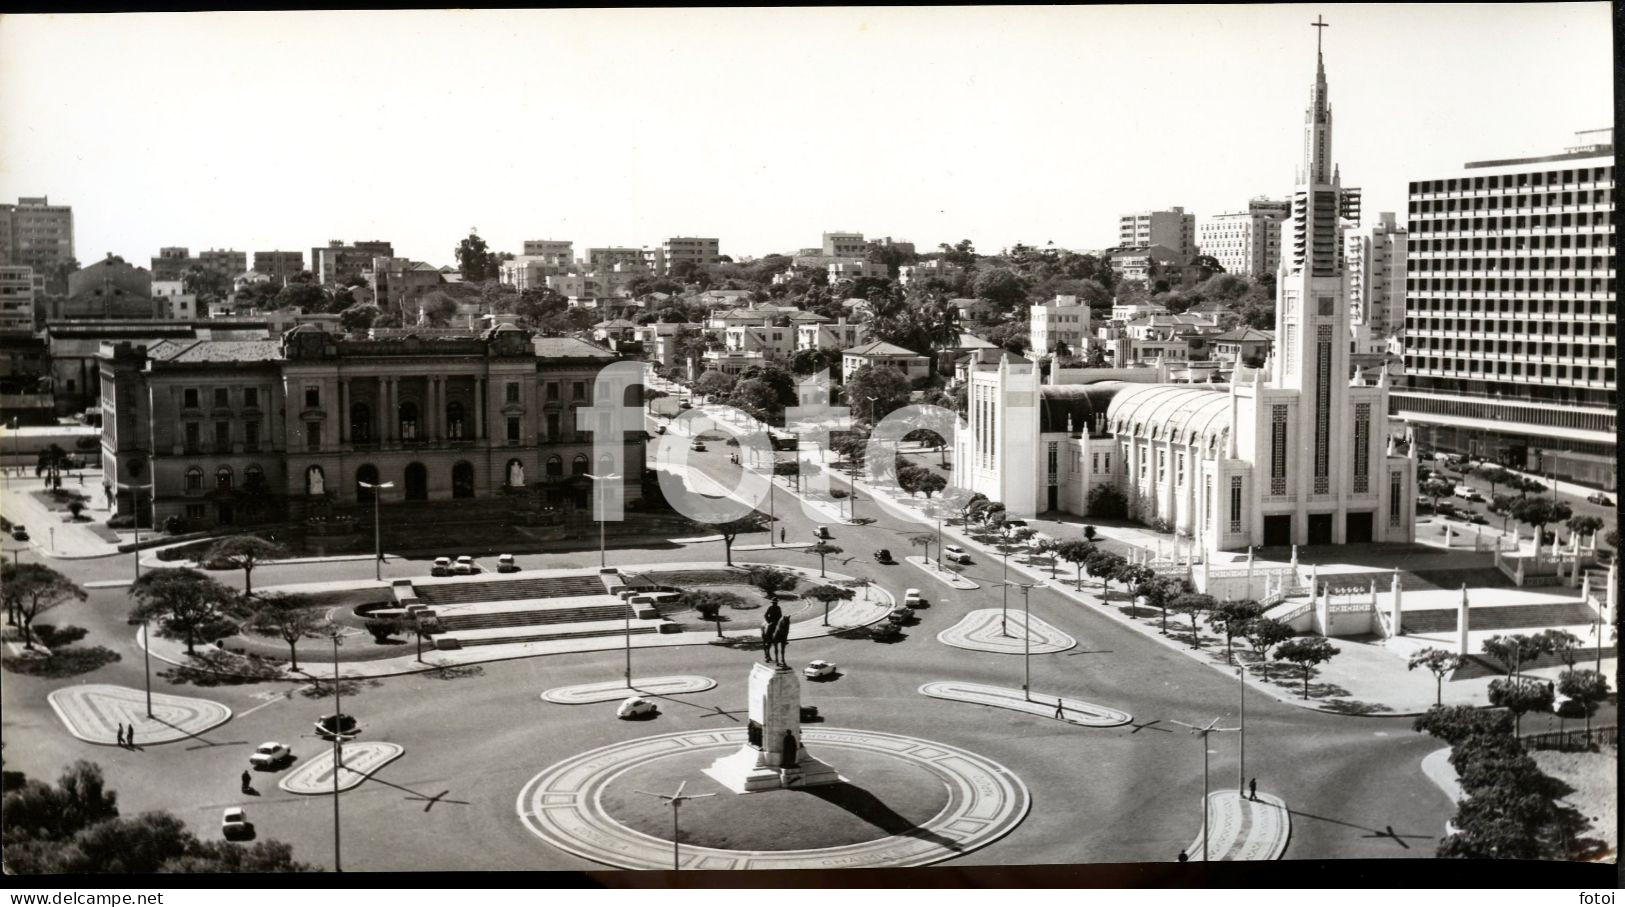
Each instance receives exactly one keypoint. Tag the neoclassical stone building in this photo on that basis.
(244, 431)
(1295, 452)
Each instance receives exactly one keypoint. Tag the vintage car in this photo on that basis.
(820, 668)
(635, 707)
(235, 826)
(442, 567)
(270, 755)
(505, 564)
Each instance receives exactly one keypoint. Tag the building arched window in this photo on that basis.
(578, 466)
(555, 467)
(253, 476)
(194, 478)
(462, 479)
(606, 465)
(222, 478)
(408, 416)
(454, 420)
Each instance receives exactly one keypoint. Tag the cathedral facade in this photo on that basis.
(1296, 452)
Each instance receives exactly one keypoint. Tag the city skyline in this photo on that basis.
(622, 179)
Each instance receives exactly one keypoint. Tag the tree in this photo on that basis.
(50, 464)
(1519, 695)
(1455, 724)
(1266, 632)
(1306, 652)
(772, 581)
(1502, 504)
(244, 552)
(304, 297)
(1437, 487)
(829, 595)
(382, 628)
(358, 318)
(1137, 578)
(929, 483)
(41, 811)
(1089, 533)
(1539, 513)
(36, 589)
(1103, 566)
(755, 521)
(924, 540)
(824, 549)
(184, 600)
(289, 618)
(1586, 687)
(1439, 663)
(709, 603)
(1495, 476)
(812, 361)
(1077, 553)
(1562, 643)
(714, 383)
(1584, 525)
(1192, 604)
(474, 261)
(1107, 503)
(1232, 616)
(1512, 651)
(756, 397)
(1161, 591)
(223, 856)
(1002, 287)
(887, 385)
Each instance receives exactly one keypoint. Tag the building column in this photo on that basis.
(1396, 609)
(390, 414)
(1462, 624)
(344, 411)
(437, 408)
(480, 385)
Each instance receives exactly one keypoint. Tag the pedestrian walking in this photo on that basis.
(1252, 789)
(121, 733)
(248, 781)
(1059, 712)
(781, 534)
(129, 737)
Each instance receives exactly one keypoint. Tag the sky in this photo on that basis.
(283, 130)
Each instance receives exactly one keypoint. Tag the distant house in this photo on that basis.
(1240, 344)
(719, 298)
(879, 352)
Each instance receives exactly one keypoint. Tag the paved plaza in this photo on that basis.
(1243, 829)
(583, 693)
(1072, 710)
(359, 761)
(94, 712)
(1010, 633)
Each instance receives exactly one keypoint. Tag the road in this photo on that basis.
(473, 739)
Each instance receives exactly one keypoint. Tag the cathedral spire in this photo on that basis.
(1318, 119)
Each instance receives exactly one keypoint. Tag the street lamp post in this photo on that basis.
(1004, 581)
(603, 563)
(676, 801)
(1241, 762)
(1201, 734)
(146, 660)
(377, 533)
(1027, 644)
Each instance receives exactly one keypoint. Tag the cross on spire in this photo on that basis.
(1319, 23)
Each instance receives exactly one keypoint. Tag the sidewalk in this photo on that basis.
(72, 539)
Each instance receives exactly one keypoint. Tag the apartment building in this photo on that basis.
(1375, 265)
(279, 266)
(37, 234)
(1510, 334)
(1246, 243)
(695, 250)
(1172, 229)
(558, 254)
(845, 245)
(340, 261)
(1062, 320)
(16, 299)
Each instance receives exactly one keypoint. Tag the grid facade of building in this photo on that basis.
(1510, 337)
(1247, 243)
(279, 266)
(1172, 229)
(698, 250)
(36, 233)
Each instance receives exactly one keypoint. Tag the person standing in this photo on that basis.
(248, 781)
(781, 535)
(1252, 789)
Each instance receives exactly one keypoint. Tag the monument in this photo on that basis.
(774, 756)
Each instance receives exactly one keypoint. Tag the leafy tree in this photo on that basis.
(290, 618)
(824, 550)
(1107, 503)
(772, 581)
(184, 600)
(1077, 553)
(1103, 566)
(1539, 513)
(138, 844)
(1512, 651)
(1562, 643)
(1306, 652)
(245, 552)
(474, 261)
(714, 383)
(1161, 591)
(929, 483)
(924, 540)
(1584, 525)
(755, 521)
(1137, 577)
(304, 297)
(756, 397)
(1502, 504)
(50, 464)
(79, 799)
(1266, 632)
(1002, 287)
(1520, 695)
(358, 318)
(709, 603)
(889, 386)
(1456, 723)
(1232, 616)
(1437, 487)
(382, 628)
(1439, 663)
(1192, 604)
(222, 856)
(1495, 476)
(1585, 687)
(35, 589)
(829, 595)
(812, 361)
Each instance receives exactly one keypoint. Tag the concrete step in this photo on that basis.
(1508, 617)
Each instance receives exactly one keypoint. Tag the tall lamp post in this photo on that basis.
(676, 800)
(377, 532)
(1004, 581)
(1241, 763)
(146, 660)
(603, 564)
(339, 731)
(1201, 734)
(1027, 647)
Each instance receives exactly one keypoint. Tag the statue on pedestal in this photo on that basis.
(781, 640)
(773, 756)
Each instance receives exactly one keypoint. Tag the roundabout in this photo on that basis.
(902, 801)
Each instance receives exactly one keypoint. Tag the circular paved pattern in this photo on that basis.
(980, 631)
(1242, 829)
(92, 712)
(562, 805)
(361, 759)
(583, 693)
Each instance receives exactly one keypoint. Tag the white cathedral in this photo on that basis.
(1295, 452)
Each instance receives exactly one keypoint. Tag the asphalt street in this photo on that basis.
(473, 738)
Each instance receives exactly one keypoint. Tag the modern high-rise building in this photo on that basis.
(16, 299)
(339, 261)
(1375, 264)
(279, 266)
(1510, 343)
(845, 245)
(696, 249)
(225, 263)
(557, 254)
(36, 233)
(608, 258)
(1247, 243)
(1172, 229)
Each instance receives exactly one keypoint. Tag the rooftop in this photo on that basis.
(878, 348)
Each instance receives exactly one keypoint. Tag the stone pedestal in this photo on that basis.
(773, 756)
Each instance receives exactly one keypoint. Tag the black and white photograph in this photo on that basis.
(1018, 446)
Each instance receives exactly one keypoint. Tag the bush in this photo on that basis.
(382, 628)
(1106, 502)
(175, 525)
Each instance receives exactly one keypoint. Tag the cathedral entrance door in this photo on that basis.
(1358, 529)
(1054, 497)
(1278, 530)
(1320, 529)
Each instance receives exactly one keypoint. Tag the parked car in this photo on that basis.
(884, 556)
(328, 725)
(810, 713)
(20, 532)
(442, 567)
(1599, 498)
(270, 755)
(820, 668)
(635, 707)
(234, 824)
(1478, 519)
(955, 555)
(887, 630)
(1469, 493)
(912, 598)
(697, 445)
(822, 532)
(900, 614)
(505, 564)
(465, 566)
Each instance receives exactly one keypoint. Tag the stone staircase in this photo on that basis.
(442, 594)
(577, 633)
(619, 611)
(1510, 617)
